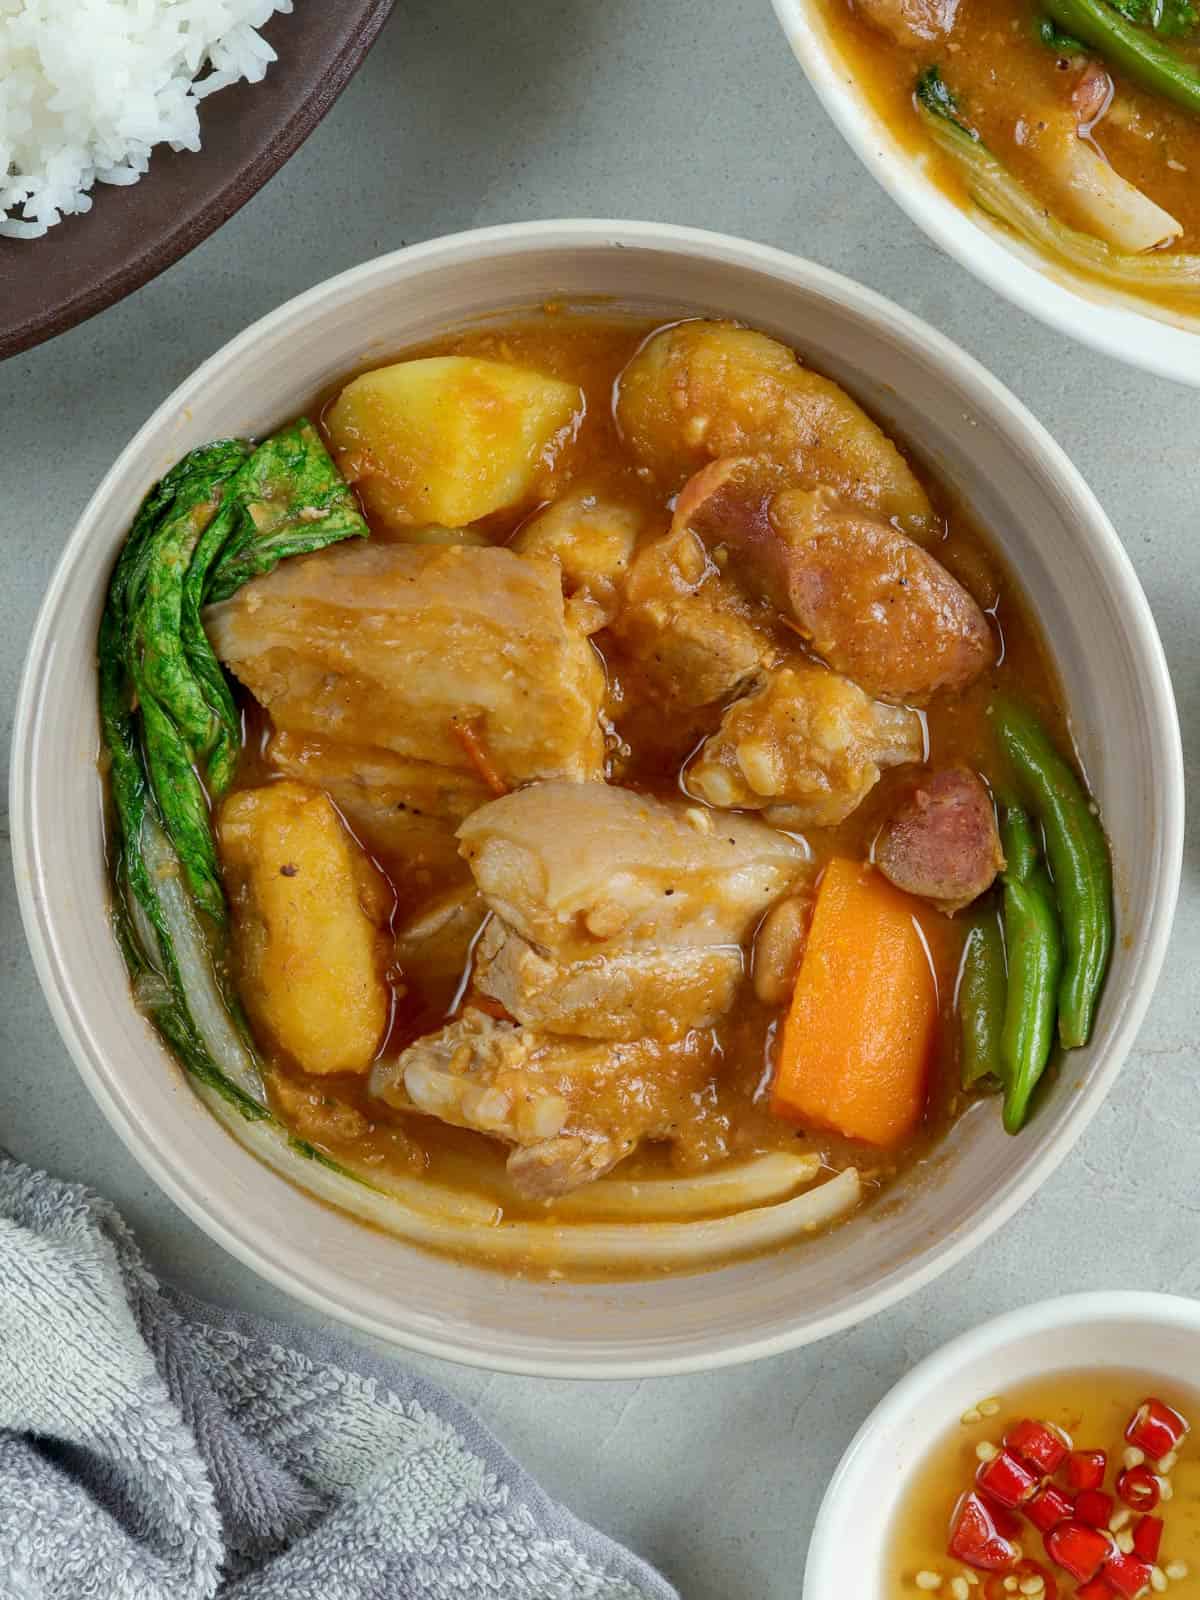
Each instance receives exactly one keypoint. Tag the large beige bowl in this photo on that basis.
(978, 437)
(1162, 342)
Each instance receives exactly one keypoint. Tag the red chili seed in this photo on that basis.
(1086, 1469)
(1094, 1507)
(1078, 1549)
(1126, 1575)
(1038, 1444)
(1007, 1480)
(1048, 1508)
(1156, 1429)
(975, 1540)
(1138, 1487)
(1147, 1538)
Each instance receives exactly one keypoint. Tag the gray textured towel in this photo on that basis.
(152, 1448)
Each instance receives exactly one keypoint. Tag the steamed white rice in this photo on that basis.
(89, 87)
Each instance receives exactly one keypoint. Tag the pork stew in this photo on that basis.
(592, 804)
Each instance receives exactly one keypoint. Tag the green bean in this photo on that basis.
(1034, 943)
(1020, 843)
(1139, 55)
(981, 991)
(1079, 859)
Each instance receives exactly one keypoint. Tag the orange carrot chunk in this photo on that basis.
(859, 1035)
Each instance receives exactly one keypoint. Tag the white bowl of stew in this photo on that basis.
(1094, 1395)
(1015, 93)
(996, 499)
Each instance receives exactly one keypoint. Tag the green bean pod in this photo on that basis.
(981, 995)
(1019, 841)
(1079, 860)
(1153, 65)
(1034, 943)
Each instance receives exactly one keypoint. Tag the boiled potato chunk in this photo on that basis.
(448, 439)
(308, 914)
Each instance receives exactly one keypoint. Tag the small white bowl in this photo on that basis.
(1073, 304)
(1058, 542)
(1157, 1333)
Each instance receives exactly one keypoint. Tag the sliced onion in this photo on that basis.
(754, 1183)
(998, 192)
(437, 1221)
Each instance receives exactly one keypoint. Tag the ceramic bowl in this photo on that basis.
(1155, 1333)
(976, 435)
(1069, 302)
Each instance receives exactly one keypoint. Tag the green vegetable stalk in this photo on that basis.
(1034, 945)
(1078, 854)
(171, 732)
(999, 193)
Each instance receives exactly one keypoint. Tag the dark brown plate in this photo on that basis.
(86, 263)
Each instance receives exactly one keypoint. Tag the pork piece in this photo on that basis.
(589, 533)
(309, 912)
(942, 843)
(808, 740)
(648, 992)
(910, 23)
(575, 868)
(691, 635)
(702, 390)
(405, 812)
(572, 1108)
(390, 645)
(869, 601)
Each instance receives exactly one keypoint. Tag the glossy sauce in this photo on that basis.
(1002, 75)
(1093, 1408)
(728, 1116)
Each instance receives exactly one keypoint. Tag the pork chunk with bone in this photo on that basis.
(645, 992)
(570, 1108)
(807, 746)
(694, 639)
(401, 646)
(572, 865)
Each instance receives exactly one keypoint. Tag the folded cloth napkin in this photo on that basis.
(153, 1448)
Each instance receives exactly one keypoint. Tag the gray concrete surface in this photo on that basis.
(470, 112)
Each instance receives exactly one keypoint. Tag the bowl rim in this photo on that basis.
(1041, 1317)
(1115, 329)
(237, 1233)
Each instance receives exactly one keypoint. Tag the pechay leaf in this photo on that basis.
(1000, 194)
(171, 732)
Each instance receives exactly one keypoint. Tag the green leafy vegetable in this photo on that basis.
(996, 191)
(227, 512)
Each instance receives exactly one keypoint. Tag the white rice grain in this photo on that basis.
(89, 87)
